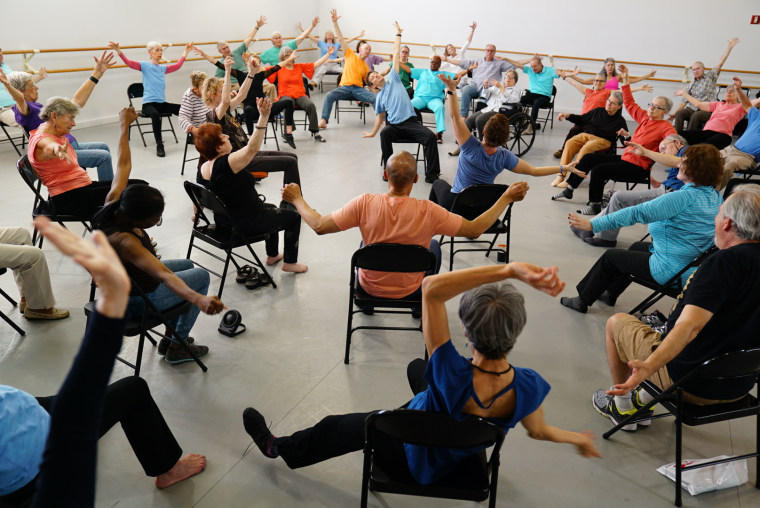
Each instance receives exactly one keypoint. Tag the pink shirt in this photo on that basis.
(57, 175)
(724, 117)
(612, 84)
(385, 219)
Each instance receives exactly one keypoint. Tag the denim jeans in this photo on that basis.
(351, 92)
(469, 92)
(95, 155)
(164, 298)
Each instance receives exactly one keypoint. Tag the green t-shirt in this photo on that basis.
(237, 55)
(272, 55)
(406, 78)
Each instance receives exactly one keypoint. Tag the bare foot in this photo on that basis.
(187, 466)
(273, 260)
(294, 267)
(557, 180)
(323, 124)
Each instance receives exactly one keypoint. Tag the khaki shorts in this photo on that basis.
(636, 341)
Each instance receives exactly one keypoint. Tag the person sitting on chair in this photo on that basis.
(681, 225)
(332, 65)
(395, 217)
(486, 385)
(481, 161)
(7, 115)
(497, 98)
(743, 155)
(193, 111)
(724, 115)
(271, 55)
(716, 313)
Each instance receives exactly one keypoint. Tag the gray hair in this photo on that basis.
(275, 34)
(493, 315)
(153, 44)
(676, 137)
(667, 101)
(220, 44)
(743, 208)
(285, 52)
(59, 106)
(18, 79)
(618, 96)
(513, 73)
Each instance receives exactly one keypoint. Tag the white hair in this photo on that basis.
(153, 44)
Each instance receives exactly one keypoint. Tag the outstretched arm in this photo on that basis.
(102, 64)
(743, 99)
(461, 132)
(41, 74)
(259, 23)
(576, 84)
(334, 16)
(636, 79)
(704, 106)
(114, 46)
(537, 428)
(352, 39)
(670, 161)
(474, 228)
(733, 42)
(306, 32)
(517, 63)
(321, 224)
(124, 164)
(379, 120)
(203, 54)
(526, 168)
(323, 58)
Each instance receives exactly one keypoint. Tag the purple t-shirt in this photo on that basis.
(32, 120)
(373, 60)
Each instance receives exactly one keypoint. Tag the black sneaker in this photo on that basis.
(319, 138)
(431, 178)
(179, 355)
(558, 154)
(256, 427)
(565, 194)
(160, 150)
(605, 406)
(163, 345)
(289, 140)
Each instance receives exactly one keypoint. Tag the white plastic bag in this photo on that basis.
(706, 479)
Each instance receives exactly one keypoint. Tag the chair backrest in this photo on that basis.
(134, 91)
(202, 197)
(393, 257)
(745, 362)
(476, 199)
(32, 180)
(735, 182)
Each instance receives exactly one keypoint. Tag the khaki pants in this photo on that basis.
(582, 144)
(29, 267)
(734, 160)
(270, 91)
(8, 117)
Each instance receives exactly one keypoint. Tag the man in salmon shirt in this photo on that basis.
(602, 167)
(354, 72)
(395, 217)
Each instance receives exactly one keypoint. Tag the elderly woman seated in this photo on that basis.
(192, 111)
(225, 172)
(486, 385)
(497, 98)
(681, 224)
(22, 88)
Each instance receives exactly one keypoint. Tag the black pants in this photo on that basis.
(154, 110)
(272, 161)
(535, 101)
(272, 220)
(252, 113)
(410, 129)
(611, 270)
(603, 167)
(717, 139)
(85, 201)
(441, 194)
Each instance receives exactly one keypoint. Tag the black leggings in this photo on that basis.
(611, 270)
(272, 220)
(154, 110)
(441, 194)
(252, 113)
(85, 201)
(272, 161)
(535, 101)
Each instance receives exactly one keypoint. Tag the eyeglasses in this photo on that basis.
(160, 220)
(655, 106)
(613, 102)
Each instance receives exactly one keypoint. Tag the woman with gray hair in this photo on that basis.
(486, 385)
(24, 91)
(154, 85)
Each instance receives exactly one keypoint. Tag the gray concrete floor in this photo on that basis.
(289, 362)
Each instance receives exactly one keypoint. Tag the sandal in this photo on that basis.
(243, 273)
(255, 280)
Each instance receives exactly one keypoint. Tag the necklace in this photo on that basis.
(492, 371)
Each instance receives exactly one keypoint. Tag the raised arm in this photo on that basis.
(245, 86)
(703, 106)
(438, 289)
(259, 23)
(178, 64)
(467, 43)
(461, 132)
(743, 99)
(636, 79)
(124, 162)
(101, 66)
(576, 83)
(733, 42)
(114, 46)
(516, 63)
(474, 228)
(397, 48)
(334, 16)
(203, 54)
(323, 58)
(17, 96)
(41, 74)
(352, 39)
(240, 159)
(321, 224)
(306, 32)
(224, 106)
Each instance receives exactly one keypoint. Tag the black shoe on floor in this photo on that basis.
(574, 303)
(431, 178)
(565, 194)
(160, 150)
(319, 138)
(256, 427)
(163, 345)
(600, 242)
(179, 355)
(289, 140)
(581, 233)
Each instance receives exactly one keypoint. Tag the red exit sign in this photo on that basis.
(755, 20)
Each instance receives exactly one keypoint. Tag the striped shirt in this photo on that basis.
(192, 111)
(682, 225)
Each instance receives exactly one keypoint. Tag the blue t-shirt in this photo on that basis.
(543, 81)
(428, 84)
(394, 100)
(672, 180)
(750, 140)
(475, 166)
(24, 427)
(154, 82)
(5, 97)
(449, 377)
(324, 46)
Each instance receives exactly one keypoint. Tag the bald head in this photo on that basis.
(401, 169)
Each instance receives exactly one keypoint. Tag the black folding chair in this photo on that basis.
(385, 257)
(474, 478)
(736, 182)
(671, 288)
(43, 206)
(135, 91)
(189, 141)
(549, 117)
(729, 366)
(225, 238)
(18, 142)
(12, 302)
(470, 203)
(358, 108)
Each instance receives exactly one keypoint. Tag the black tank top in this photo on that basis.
(143, 280)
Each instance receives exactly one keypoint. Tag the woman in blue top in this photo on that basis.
(486, 385)
(681, 224)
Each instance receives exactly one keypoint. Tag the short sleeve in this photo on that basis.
(349, 216)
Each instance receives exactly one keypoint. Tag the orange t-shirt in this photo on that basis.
(57, 175)
(594, 99)
(354, 70)
(289, 81)
(385, 219)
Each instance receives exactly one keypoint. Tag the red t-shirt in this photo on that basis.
(594, 99)
(290, 82)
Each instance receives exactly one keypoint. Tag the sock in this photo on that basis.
(644, 397)
(623, 402)
(574, 303)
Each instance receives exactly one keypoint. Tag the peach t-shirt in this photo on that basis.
(57, 175)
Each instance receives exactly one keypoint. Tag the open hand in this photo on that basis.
(579, 222)
(106, 61)
(543, 279)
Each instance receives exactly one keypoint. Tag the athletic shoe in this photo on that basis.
(637, 404)
(319, 138)
(605, 406)
(565, 194)
(256, 427)
(160, 150)
(592, 209)
(180, 355)
(163, 345)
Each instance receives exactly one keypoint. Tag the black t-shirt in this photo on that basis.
(257, 83)
(236, 190)
(728, 285)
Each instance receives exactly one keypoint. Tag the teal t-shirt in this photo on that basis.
(272, 55)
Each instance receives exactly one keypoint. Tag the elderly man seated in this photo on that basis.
(720, 297)
(395, 217)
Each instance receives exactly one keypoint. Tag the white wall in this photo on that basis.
(655, 31)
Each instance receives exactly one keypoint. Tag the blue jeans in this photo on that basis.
(95, 155)
(469, 92)
(351, 92)
(163, 297)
